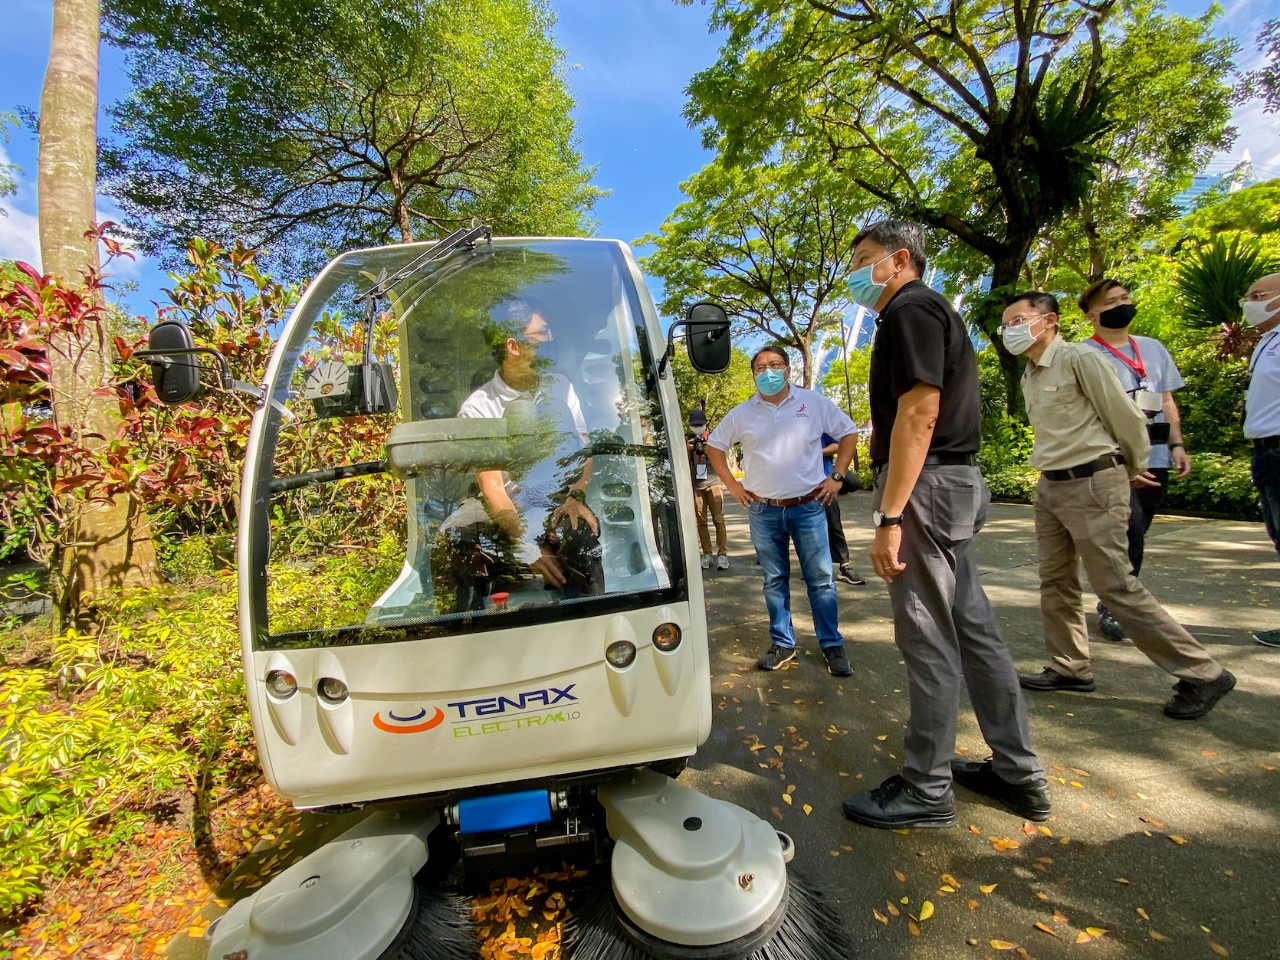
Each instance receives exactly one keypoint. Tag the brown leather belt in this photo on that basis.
(788, 501)
(1086, 469)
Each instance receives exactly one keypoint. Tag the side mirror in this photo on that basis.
(707, 337)
(173, 364)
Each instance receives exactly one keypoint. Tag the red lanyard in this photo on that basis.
(1135, 364)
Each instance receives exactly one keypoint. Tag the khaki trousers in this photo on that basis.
(1087, 519)
(711, 499)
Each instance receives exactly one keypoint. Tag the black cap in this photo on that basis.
(697, 418)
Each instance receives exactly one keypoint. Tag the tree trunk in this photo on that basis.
(108, 546)
(1004, 279)
(806, 363)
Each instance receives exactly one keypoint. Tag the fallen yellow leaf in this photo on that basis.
(1003, 945)
(902, 877)
(1045, 928)
(880, 917)
(1143, 914)
(1095, 931)
(950, 880)
(1157, 936)
(926, 911)
(807, 809)
(1083, 937)
(893, 911)
(1177, 839)
(988, 887)
(786, 798)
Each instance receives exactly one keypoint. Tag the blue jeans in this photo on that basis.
(772, 530)
(1266, 477)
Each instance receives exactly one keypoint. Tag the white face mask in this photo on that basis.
(1020, 338)
(1256, 312)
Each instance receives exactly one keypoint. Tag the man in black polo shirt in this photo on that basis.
(930, 502)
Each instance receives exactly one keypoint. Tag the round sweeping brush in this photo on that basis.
(809, 930)
(439, 927)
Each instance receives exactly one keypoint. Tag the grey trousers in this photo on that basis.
(946, 630)
(1088, 520)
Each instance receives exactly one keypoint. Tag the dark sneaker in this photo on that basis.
(1028, 800)
(1049, 680)
(837, 662)
(895, 804)
(1109, 625)
(1268, 638)
(849, 575)
(1192, 700)
(775, 657)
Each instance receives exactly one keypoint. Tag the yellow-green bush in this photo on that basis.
(91, 739)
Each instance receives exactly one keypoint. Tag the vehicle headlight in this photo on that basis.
(331, 690)
(621, 653)
(281, 684)
(666, 636)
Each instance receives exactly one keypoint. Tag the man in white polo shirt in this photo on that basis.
(1261, 306)
(785, 491)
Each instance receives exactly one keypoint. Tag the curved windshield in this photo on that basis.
(477, 449)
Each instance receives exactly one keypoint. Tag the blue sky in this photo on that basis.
(629, 63)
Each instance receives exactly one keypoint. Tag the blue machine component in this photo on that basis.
(504, 811)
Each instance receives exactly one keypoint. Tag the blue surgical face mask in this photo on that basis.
(862, 286)
(770, 381)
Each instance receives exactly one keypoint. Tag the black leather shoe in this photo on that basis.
(1050, 680)
(1028, 800)
(1191, 700)
(895, 804)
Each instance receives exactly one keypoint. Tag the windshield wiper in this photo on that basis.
(430, 260)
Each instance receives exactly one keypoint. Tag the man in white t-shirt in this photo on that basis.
(541, 503)
(1261, 307)
(785, 491)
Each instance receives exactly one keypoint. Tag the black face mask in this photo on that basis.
(1118, 317)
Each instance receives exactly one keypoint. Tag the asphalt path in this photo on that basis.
(1165, 839)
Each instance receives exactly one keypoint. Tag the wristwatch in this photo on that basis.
(880, 520)
(837, 476)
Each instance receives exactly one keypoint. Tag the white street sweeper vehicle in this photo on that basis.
(520, 668)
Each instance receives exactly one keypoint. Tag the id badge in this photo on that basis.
(1148, 401)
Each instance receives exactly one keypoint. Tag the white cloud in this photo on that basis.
(19, 232)
(20, 228)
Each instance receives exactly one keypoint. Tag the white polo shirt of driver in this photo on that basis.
(782, 443)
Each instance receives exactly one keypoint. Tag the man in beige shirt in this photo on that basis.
(1090, 447)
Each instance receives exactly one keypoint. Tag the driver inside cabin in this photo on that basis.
(535, 509)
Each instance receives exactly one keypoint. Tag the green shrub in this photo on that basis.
(1217, 487)
(1012, 483)
(93, 738)
(1212, 401)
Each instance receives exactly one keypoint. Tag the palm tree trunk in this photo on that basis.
(107, 546)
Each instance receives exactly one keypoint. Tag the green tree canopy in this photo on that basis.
(1152, 154)
(772, 243)
(959, 116)
(311, 128)
(714, 394)
(854, 399)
